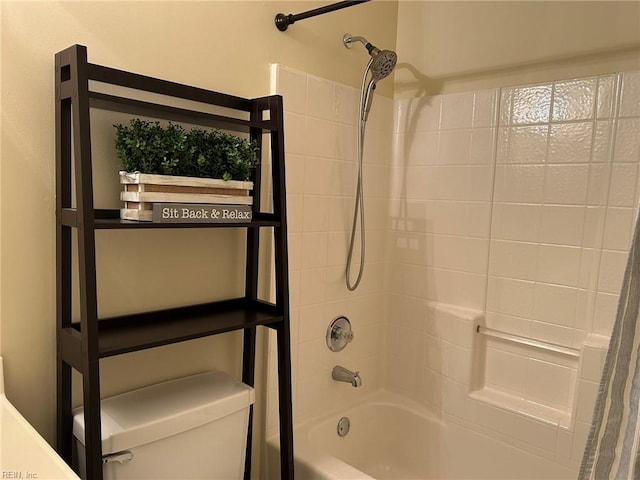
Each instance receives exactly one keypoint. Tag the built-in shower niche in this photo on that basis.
(537, 379)
(526, 376)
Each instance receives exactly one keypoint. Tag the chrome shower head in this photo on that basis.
(383, 64)
(383, 61)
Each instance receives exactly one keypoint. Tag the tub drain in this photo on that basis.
(344, 424)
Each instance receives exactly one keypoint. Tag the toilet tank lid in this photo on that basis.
(158, 411)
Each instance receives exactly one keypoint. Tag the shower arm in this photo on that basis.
(283, 21)
(348, 40)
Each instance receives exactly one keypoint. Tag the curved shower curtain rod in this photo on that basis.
(283, 21)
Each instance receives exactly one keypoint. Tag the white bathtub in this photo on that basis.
(391, 438)
(23, 452)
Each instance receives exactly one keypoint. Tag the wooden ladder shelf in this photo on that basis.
(80, 346)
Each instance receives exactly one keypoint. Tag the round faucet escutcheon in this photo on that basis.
(339, 333)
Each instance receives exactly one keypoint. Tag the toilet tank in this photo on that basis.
(193, 427)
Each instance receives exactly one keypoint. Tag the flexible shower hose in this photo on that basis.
(359, 202)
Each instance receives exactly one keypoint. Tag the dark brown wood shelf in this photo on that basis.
(147, 109)
(109, 219)
(136, 81)
(82, 345)
(130, 333)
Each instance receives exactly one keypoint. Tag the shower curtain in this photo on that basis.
(612, 449)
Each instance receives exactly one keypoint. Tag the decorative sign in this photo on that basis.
(200, 213)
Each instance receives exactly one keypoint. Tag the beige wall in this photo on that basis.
(451, 46)
(225, 46)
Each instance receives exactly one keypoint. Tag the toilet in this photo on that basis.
(189, 428)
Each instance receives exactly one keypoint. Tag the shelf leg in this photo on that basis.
(64, 419)
(248, 377)
(92, 424)
(285, 401)
(64, 426)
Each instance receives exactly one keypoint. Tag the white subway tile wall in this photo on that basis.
(539, 246)
(320, 146)
(580, 190)
(511, 208)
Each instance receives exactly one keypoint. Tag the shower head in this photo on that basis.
(382, 61)
(383, 64)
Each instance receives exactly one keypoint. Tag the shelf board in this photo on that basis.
(147, 109)
(109, 219)
(130, 333)
(136, 81)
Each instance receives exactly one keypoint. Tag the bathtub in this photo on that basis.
(392, 438)
(23, 452)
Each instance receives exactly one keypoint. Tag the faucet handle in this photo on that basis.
(339, 334)
(346, 335)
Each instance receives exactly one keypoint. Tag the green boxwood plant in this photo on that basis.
(148, 147)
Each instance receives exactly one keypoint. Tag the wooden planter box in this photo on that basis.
(140, 191)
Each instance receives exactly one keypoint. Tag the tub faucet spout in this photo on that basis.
(342, 374)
